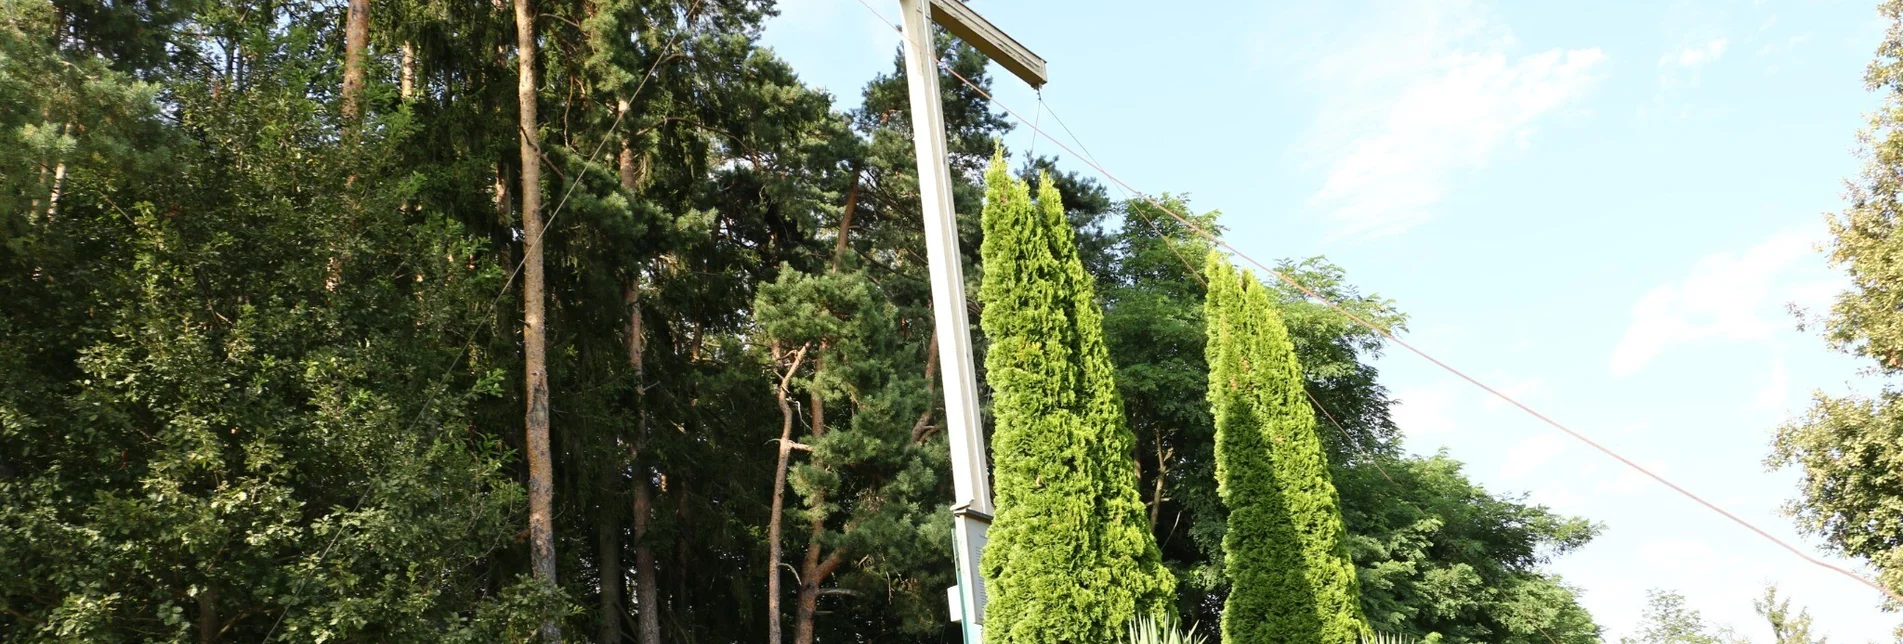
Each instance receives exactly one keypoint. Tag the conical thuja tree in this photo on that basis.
(1285, 554)
(1269, 598)
(1070, 558)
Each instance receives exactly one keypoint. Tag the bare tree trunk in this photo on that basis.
(208, 628)
(625, 161)
(683, 602)
(812, 571)
(608, 558)
(534, 333)
(406, 76)
(845, 221)
(647, 593)
(356, 41)
(922, 429)
(779, 497)
(1162, 471)
(59, 184)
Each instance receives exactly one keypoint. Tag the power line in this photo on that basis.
(1312, 294)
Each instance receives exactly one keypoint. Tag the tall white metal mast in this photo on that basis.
(970, 477)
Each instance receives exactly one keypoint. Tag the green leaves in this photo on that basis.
(1848, 448)
(1440, 556)
(1069, 557)
(1850, 451)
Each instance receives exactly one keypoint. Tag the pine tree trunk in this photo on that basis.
(842, 243)
(356, 41)
(608, 556)
(683, 603)
(406, 76)
(1162, 474)
(59, 184)
(811, 574)
(646, 591)
(534, 333)
(779, 499)
(625, 161)
(208, 628)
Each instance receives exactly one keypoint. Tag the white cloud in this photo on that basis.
(1727, 296)
(1695, 55)
(1786, 46)
(1434, 88)
(1425, 410)
(1774, 397)
(1532, 454)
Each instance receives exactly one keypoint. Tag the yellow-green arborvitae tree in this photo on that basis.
(1070, 558)
(1285, 553)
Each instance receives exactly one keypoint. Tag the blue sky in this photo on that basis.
(1602, 207)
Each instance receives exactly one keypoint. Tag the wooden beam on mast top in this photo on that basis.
(972, 28)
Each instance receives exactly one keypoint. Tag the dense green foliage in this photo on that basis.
(260, 371)
(1289, 573)
(1439, 555)
(1069, 558)
(1850, 448)
(197, 428)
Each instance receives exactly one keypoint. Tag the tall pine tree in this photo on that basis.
(1070, 557)
(1285, 546)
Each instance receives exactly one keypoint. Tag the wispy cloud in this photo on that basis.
(1531, 454)
(1693, 56)
(1406, 104)
(1425, 410)
(1736, 296)
(1774, 397)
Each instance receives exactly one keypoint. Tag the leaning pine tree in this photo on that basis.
(1284, 551)
(1070, 558)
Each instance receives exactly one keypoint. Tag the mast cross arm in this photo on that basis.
(972, 28)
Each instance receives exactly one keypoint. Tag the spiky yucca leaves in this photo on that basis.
(1146, 630)
(1374, 637)
(1070, 558)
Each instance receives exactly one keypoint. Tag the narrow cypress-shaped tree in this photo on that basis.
(1285, 552)
(1270, 599)
(1070, 558)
